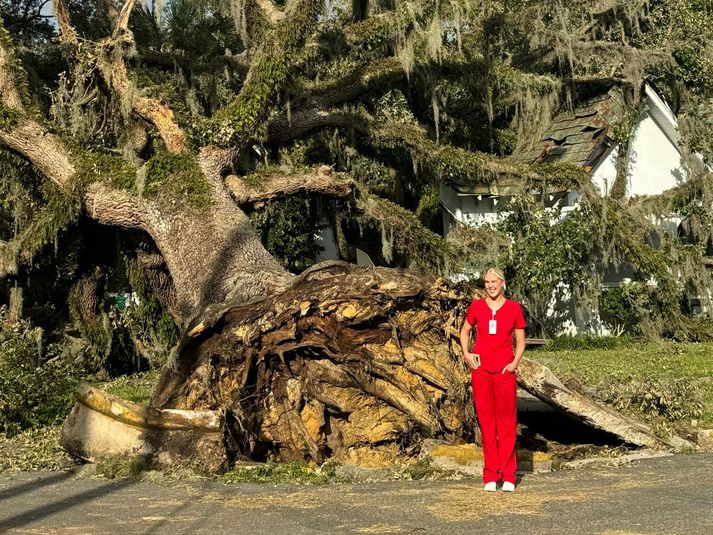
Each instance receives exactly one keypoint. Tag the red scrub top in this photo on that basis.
(495, 350)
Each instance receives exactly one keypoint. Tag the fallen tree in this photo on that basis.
(313, 365)
(347, 363)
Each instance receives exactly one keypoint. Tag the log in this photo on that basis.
(146, 417)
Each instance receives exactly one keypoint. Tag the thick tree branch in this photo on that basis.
(161, 117)
(9, 94)
(122, 22)
(322, 182)
(169, 61)
(68, 35)
(352, 86)
(117, 208)
(283, 128)
(150, 110)
(449, 163)
(23, 135)
(46, 151)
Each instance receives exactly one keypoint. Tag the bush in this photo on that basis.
(287, 229)
(617, 310)
(570, 343)
(674, 399)
(36, 382)
(695, 329)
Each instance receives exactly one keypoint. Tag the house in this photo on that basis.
(585, 137)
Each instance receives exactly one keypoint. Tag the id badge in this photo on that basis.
(492, 326)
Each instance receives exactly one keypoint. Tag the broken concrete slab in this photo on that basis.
(542, 383)
(102, 426)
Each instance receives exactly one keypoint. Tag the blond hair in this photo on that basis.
(495, 271)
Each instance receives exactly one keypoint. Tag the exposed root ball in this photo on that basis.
(345, 358)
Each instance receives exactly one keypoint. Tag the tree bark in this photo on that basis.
(322, 182)
(542, 383)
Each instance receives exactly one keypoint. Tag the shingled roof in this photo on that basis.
(581, 136)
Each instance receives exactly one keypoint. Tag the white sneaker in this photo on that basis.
(490, 487)
(508, 486)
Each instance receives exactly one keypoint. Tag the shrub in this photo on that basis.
(674, 399)
(617, 310)
(36, 382)
(569, 343)
(288, 228)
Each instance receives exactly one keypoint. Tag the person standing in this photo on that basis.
(495, 320)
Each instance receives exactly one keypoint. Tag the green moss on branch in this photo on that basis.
(178, 179)
(244, 118)
(409, 237)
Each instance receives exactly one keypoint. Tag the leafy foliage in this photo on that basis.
(36, 381)
(148, 322)
(33, 449)
(280, 473)
(674, 399)
(288, 231)
(665, 381)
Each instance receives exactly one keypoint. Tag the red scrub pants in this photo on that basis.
(495, 397)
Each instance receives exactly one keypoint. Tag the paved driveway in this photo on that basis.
(669, 495)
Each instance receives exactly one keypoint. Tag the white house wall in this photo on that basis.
(469, 210)
(654, 162)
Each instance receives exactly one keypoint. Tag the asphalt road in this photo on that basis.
(669, 495)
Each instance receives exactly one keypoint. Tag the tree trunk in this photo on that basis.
(213, 257)
(213, 254)
(542, 383)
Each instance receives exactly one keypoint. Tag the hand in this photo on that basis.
(510, 368)
(472, 360)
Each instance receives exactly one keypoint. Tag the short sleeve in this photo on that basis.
(520, 322)
(470, 315)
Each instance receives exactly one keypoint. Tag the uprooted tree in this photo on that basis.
(174, 124)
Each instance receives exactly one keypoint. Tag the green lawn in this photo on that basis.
(136, 388)
(677, 373)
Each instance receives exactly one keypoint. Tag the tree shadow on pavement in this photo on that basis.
(48, 509)
(16, 490)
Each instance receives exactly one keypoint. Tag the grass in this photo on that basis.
(118, 468)
(136, 388)
(653, 364)
(295, 472)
